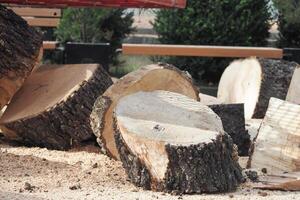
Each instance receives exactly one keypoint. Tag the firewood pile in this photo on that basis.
(168, 136)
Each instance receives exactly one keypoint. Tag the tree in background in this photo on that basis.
(213, 22)
(289, 22)
(95, 25)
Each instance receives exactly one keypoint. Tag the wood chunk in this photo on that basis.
(53, 107)
(253, 82)
(284, 182)
(294, 90)
(232, 116)
(169, 142)
(276, 147)
(20, 46)
(149, 78)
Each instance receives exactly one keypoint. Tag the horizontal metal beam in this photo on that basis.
(201, 51)
(42, 22)
(36, 12)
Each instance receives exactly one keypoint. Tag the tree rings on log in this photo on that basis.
(276, 147)
(253, 82)
(20, 46)
(232, 116)
(149, 78)
(169, 142)
(53, 107)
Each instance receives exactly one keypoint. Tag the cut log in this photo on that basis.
(232, 116)
(276, 147)
(19, 53)
(294, 90)
(149, 78)
(209, 100)
(53, 107)
(253, 82)
(169, 142)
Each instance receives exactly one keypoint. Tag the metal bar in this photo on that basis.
(201, 51)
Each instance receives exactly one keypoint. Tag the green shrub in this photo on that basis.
(289, 22)
(95, 25)
(213, 22)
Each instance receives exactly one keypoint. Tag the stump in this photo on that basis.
(149, 78)
(232, 116)
(19, 53)
(53, 107)
(294, 90)
(253, 82)
(276, 147)
(169, 142)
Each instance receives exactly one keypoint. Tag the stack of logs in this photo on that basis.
(168, 137)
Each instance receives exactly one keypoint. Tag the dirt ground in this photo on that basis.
(40, 174)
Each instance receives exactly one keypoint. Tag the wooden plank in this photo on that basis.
(50, 45)
(36, 12)
(42, 22)
(201, 51)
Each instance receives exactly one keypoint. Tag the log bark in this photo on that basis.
(253, 82)
(276, 147)
(168, 142)
(232, 116)
(53, 107)
(149, 78)
(19, 53)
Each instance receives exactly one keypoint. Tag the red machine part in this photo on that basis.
(102, 3)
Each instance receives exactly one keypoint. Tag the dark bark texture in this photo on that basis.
(202, 168)
(233, 120)
(68, 123)
(100, 108)
(19, 50)
(276, 79)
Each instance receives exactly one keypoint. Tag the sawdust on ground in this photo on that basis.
(40, 174)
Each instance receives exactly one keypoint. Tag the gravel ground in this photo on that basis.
(39, 174)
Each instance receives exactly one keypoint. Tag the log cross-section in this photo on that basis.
(53, 107)
(253, 82)
(169, 142)
(148, 78)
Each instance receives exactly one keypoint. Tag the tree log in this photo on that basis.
(253, 82)
(149, 78)
(53, 107)
(169, 142)
(276, 147)
(19, 53)
(232, 116)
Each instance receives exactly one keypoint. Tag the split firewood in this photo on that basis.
(232, 116)
(276, 148)
(169, 142)
(294, 90)
(253, 82)
(20, 46)
(149, 78)
(53, 107)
